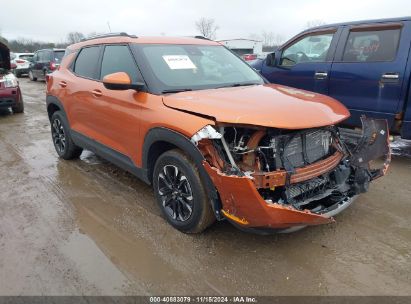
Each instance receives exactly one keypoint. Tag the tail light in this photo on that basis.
(20, 61)
(53, 66)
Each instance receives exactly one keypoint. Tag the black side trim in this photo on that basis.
(52, 100)
(115, 157)
(183, 143)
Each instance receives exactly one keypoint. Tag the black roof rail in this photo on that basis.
(122, 34)
(201, 37)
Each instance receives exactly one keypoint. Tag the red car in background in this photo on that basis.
(249, 57)
(10, 94)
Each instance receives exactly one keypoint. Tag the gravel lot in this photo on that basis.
(85, 227)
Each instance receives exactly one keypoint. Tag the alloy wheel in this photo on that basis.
(175, 192)
(59, 137)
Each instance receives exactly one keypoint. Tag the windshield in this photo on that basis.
(194, 67)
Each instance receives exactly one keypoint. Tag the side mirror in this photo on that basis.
(270, 60)
(121, 81)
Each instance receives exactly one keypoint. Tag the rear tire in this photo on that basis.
(31, 76)
(180, 193)
(18, 108)
(60, 134)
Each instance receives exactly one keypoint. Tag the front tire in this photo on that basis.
(60, 133)
(181, 194)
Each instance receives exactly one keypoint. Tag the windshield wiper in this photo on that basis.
(244, 84)
(175, 91)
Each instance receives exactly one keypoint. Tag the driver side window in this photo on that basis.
(312, 48)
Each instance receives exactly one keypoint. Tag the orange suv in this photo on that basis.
(213, 138)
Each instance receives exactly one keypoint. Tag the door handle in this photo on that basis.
(97, 93)
(63, 84)
(390, 76)
(320, 75)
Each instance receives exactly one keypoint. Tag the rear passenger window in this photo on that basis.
(369, 46)
(87, 62)
(117, 58)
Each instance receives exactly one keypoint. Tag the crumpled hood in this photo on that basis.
(270, 105)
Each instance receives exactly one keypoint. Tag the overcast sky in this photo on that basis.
(51, 20)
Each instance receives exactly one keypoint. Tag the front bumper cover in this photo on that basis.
(243, 205)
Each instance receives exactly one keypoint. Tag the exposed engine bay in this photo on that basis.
(313, 169)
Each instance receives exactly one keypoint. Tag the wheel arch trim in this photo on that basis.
(54, 101)
(160, 134)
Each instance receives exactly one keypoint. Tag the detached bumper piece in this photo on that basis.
(373, 145)
(286, 200)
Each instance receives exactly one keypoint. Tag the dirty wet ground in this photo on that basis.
(85, 227)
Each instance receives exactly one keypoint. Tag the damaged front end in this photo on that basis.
(283, 180)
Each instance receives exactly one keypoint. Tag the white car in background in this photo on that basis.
(22, 61)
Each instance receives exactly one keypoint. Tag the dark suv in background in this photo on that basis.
(44, 62)
(363, 64)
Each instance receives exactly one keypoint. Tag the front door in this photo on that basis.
(118, 111)
(305, 62)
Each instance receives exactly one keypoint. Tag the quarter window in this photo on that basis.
(368, 46)
(117, 58)
(87, 62)
(312, 48)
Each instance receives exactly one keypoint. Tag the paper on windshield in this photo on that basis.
(179, 62)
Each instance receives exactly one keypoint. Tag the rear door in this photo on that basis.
(368, 71)
(81, 97)
(36, 65)
(41, 65)
(305, 61)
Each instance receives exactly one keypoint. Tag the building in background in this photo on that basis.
(243, 46)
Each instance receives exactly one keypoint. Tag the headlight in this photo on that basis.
(206, 132)
(10, 81)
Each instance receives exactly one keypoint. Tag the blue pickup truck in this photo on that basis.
(366, 65)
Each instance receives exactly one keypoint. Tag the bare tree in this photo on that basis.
(279, 39)
(254, 36)
(268, 38)
(74, 37)
(314, 23)
(2, 39)
(207, 27)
